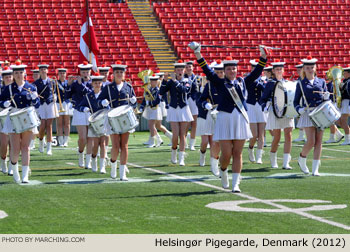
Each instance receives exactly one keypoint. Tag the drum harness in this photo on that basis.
(10, 89)
(235, 97)
(88, 100)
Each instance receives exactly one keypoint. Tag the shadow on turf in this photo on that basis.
(186, 194)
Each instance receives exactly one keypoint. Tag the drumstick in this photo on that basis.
(321, 92)
(126, 99)
(30, 91)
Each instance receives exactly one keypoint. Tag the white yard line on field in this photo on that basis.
(246, 196)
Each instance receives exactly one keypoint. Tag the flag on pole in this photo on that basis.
(88, 43)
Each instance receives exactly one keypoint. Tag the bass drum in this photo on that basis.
(283, 99)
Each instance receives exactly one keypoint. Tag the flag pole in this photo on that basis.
(88, 28)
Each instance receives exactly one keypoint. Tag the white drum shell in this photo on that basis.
(3, 115)
(122, 119)
(98, 122)
(285, 91)
(24, 119)
(325, 115)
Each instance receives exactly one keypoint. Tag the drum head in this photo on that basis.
(4, 112)
(279, 100)
(98, 115)
(19, 111)
(118, 111)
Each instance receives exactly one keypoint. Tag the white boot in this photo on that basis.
(25, 174)
(81, 159)
(347, 140)
(114, 170)
(235, 182)
(174, 156)
(32, 145)
(16, 176)
(169, 135)
(192, 144)
(224, 179)
(265, 145)
(259, 153)
(41, 146)
(4, 166)
(10, 171)
(201, 158)
(302, 165)
(60, 140)
(148, 141)
(251, 155)
(286, 160)
(65, 141)
(102, 165)
(181, 158)
(88, 161)
(273, 159)
(94, 164)
(152, 142)
(214, 166)
(331, 139)
(122, 172)
(338, 136)
(315, 165)
(49, 148)
(159, 140)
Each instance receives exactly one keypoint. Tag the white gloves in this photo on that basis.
(147, 103)
(326, 95)
(34, 95)
(301, 111)
(70, 105)
(86, 109)
(141, 110)
(196, 47)
(133, 100)
(7, 104)
(208, 106)
(105, 103)
(263, 51)
(201, 89)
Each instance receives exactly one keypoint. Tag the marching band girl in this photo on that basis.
(310, 100)
(151, 110)
(232, 123)
(47, 110)
(208, 99)
(7, 79)
(192, 98)
(277, 124)
(179, 113)
(20, 94)
(116, 94)
(89, 105)
(345, 105)
(63, 121)
(257, 118)
(76, 90)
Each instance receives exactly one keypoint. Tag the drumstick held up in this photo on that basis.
(321, 92)
(30, 91)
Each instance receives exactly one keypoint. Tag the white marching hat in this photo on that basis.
(97, 77)
(18, 66)
(179, 63)
(43, 65)
(154, 77)
(309, 61)
(62, 69)
(36, 70)
(254, 62)
(217, 65)
(278, 63)
(159, 73)
(189, 62)
(118, 66)
(347, 68)
(300, 65)
(103, 68)
(230, 62)
(85, 66)
(268, 68)
(6, 71)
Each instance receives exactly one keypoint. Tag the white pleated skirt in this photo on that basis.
(278, 123)
(255, 114)
(179, 114)
(80, 118)
(205, 126)
(231, 126)
(163, 109)
(193, 106)
(67, 107)
(152, 114)
(345, 107)
(47, 111)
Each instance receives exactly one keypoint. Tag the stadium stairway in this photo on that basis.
(153, 34)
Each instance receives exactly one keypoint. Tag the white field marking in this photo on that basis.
(69, 163)
(3, 214)
(246, 196)
(324, 148)
(32, 183)
(328, 156)
(102, 181)
(286, 175)
(201, 177)
(235, 206)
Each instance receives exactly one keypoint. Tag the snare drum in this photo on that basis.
(24, 119)
(3, 115)
(283, 99)
(324, 115)
(98, 122)
(122, 119)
